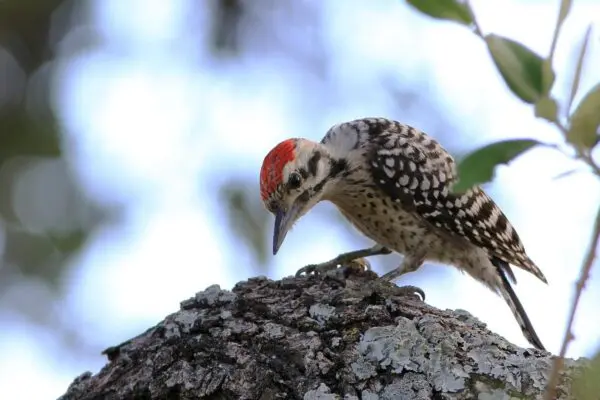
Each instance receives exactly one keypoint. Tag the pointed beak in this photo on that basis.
(283, 222)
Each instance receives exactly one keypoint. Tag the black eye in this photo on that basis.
(272, 206)
(294, 180)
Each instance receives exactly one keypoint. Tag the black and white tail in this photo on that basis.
(515, 305)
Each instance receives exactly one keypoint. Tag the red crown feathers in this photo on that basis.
(271, 172)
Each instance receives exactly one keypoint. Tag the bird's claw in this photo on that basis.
(316, 269)
(410, 291)
(360, 264)
(308, 269)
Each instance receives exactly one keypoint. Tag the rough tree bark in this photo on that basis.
(318, 338)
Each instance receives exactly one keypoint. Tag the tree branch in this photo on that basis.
(318, 338)
(583, 277)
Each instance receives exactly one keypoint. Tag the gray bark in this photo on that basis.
(319, 338)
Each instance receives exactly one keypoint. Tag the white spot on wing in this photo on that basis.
(414, 184)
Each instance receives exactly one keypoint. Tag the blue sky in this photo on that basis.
(154, 123)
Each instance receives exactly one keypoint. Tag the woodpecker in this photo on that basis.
(394, 184)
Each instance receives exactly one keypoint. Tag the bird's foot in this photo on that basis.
(351, 260)
(409, 264)
(410, 291)
(359, 264)
(317, 269)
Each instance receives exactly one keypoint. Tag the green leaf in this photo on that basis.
(578, 68)
(444, 9)
(478, 167)
(548, 76)
(521, 68)
(585, 121)
(547, 108)
(587, 385)
(565, 7)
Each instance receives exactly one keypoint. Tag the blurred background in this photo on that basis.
(132, 133)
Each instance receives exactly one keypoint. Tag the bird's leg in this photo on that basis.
(409, 264)
(344, 260)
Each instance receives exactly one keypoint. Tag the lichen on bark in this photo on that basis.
(318, 338)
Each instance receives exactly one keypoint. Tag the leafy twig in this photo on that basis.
(583, 277)
(590, 161)
(565, 7)
(476, 27)
(578, 69)
(580, 154)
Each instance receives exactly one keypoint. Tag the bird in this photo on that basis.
(394, 184)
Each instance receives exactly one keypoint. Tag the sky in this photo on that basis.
(155, 124)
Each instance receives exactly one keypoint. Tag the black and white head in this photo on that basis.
(294, 177)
